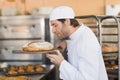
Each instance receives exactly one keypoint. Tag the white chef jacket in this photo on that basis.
(85, 61)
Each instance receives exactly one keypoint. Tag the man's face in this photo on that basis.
(60, 29)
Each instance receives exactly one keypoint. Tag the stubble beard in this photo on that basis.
(65, 37)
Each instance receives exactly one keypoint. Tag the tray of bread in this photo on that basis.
(36, 47)
(29, 69)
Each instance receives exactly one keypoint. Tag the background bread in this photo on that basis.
(14, 78)
(109, 48)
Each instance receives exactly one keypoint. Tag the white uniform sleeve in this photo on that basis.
(69, 72)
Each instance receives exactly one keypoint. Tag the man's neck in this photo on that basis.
(73, 29)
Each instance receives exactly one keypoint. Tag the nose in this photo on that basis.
(53, 30)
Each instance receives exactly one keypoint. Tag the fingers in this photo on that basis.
(57, 52)
(55, 58)
(48, 56)
(52, 60)
(52, 57)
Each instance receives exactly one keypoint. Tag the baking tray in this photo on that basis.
(46, 69)
(27, 74)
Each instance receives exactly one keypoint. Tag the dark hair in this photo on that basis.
(73, 22)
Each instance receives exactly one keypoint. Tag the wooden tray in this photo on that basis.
(34, 52)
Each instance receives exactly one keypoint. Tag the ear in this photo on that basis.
(67, 21)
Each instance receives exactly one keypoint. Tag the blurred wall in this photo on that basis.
(81, 7)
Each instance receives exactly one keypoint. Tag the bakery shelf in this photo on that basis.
(110, 54)
(113, 74)
(111, 29)
(110, 34)
(115, 42)
(110, 59)
(93, 22)
(105, 27)
(20, 60)
(20, 38)
(109, 26)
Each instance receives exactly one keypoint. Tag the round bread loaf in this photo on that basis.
(38, 46)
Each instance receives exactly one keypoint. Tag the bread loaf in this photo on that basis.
(109, 48)
(38, 46)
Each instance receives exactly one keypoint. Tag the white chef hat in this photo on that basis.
(62, 12)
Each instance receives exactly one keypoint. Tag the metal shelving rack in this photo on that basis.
(96, 21)
(112, 74)
(118, 18)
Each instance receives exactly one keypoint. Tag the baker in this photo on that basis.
(85, 61)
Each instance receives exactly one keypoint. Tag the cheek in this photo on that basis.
(56, 30)
(63, 30)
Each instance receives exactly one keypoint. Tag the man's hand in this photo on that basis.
(55, 58)
(61, 46)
